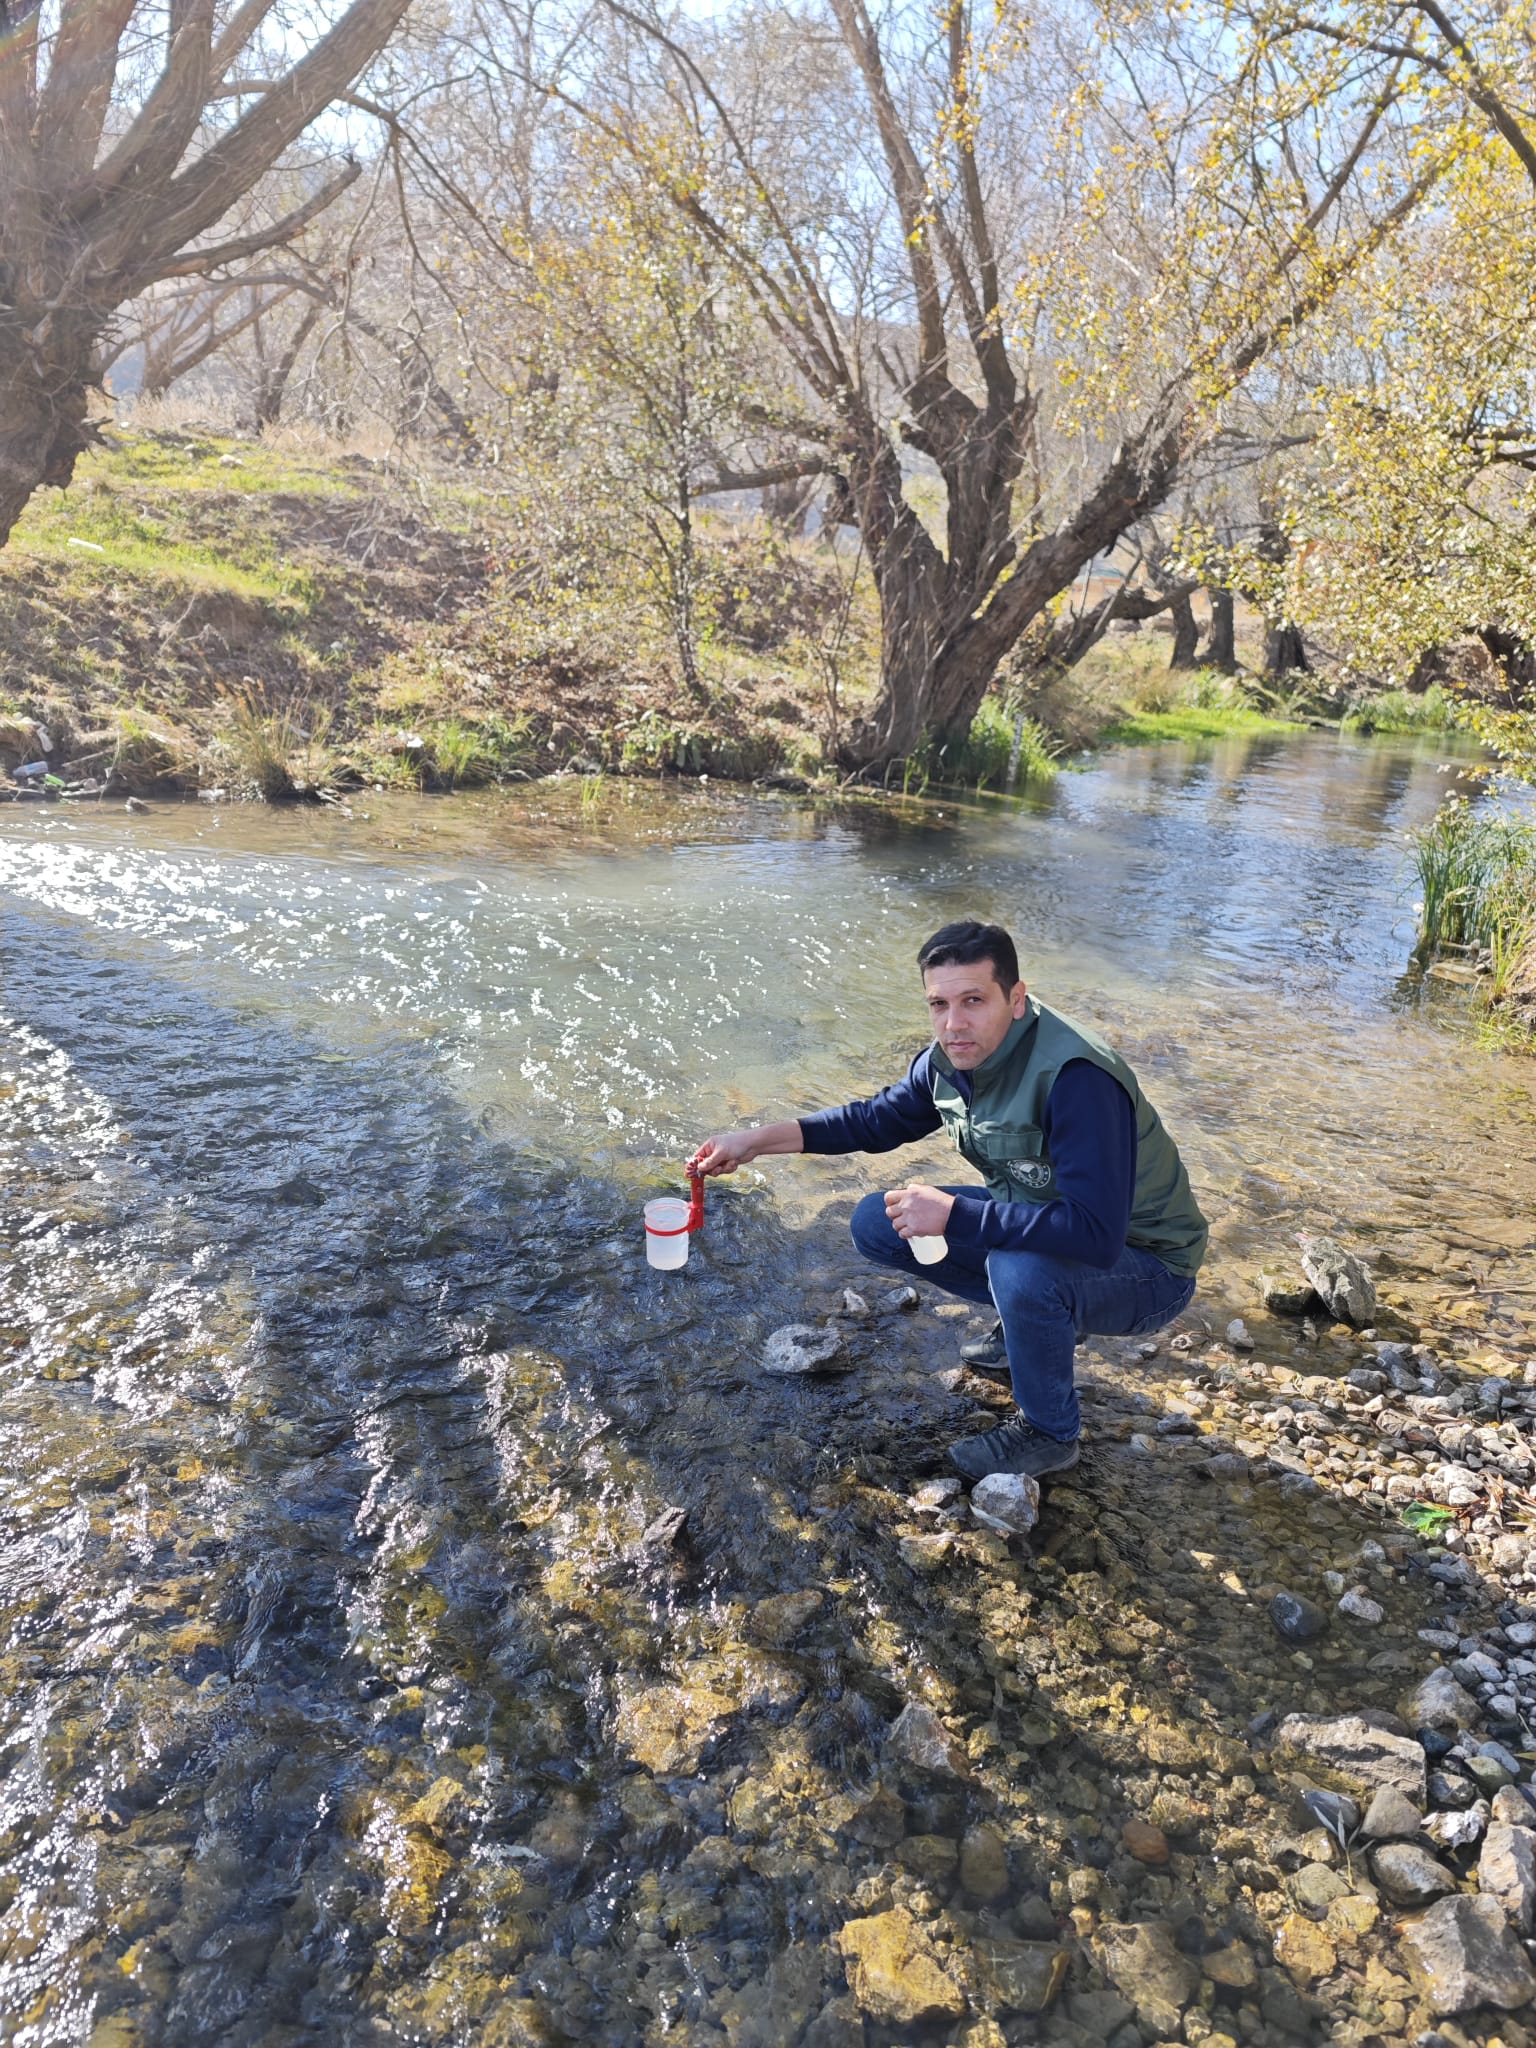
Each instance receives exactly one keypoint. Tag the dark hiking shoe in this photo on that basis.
(1016, 1447)
(987, 1350)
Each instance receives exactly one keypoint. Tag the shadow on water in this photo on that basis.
(342, 1697)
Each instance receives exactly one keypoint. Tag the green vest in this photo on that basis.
(998, 1131)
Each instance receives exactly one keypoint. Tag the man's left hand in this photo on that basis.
(918, 1211)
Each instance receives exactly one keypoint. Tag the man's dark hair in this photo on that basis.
(963, 944)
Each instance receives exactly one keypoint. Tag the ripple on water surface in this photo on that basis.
(338, 1685)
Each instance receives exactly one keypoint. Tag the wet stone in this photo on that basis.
(1304, 1950)
(1390, 1817)
(984, 1864)
(1233, 1967)
(1146, 1843)
(1315, 1887)
(1439, 1701)
(918, 1737)
(1286, 1293)
(1351, 1750)
(1296, 1618)
(1020, 1976)
(781, 1617)
(669, 1727)
(893, 1972)
(880, 1821)
(1007, 1501)
(1340, 1278)
(1506, 1871)
(1409, 1875)
(930, 1857)
(800, 1348)
(1146, 1967)
(1465, 1954)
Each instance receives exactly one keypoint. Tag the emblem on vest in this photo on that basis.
(1030, 1173)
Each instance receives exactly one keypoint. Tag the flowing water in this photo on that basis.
(339, 1699)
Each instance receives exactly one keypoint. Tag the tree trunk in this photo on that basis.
(272, 386)
(1221, 648)
(1186, 634)
(1285, 653)
(44, 397)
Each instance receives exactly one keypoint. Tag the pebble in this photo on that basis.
(1296, 1618)
(1143, 1841)
(1409, 1875)
(1238, 1336)
(905, 1298)
(1359, 1606)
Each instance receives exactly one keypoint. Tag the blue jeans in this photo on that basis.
(1045, 1305)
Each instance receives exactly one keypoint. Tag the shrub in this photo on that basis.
(1477, 881)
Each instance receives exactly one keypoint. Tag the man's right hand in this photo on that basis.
(725, 1152)
(729, 1149)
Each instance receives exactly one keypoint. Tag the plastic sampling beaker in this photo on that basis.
(666, 1233)
(928, 1250)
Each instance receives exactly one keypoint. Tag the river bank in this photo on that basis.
(200, 613)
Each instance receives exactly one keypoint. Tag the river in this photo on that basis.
(338, 1698)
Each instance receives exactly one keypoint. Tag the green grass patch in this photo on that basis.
(1192, 722)
(1425, 1519)
(1477, 885)
(1403, 711)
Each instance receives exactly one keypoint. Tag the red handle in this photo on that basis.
(695, 1199)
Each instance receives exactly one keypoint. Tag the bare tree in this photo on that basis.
(920, 346)
(116, 165)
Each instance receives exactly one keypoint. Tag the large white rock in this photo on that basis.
(1350, 1749)
(1009, 1501)
(1465, 1955)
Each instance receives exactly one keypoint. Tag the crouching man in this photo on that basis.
(1086, 1223)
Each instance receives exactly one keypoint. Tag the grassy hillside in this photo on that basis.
(197, 612)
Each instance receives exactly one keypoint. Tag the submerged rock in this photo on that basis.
(893, 1972)
(917, 1736)
(1304, 1950)
(1341, 1280)
(780, 1617)
(1465, 1955)
(984, 1864)
(802, 1348)
(1285, 1294)
(1145, 1967)
(1351, 1750)
(1296, 1618)
(1021, 1976)
(668, 1727)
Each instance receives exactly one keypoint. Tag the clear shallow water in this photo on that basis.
(335, 1385)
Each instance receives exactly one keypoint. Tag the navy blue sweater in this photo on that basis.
(1089, 1131)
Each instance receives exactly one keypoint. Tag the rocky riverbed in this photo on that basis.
(420, 1623)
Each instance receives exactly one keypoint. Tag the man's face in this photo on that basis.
(971, 1010)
